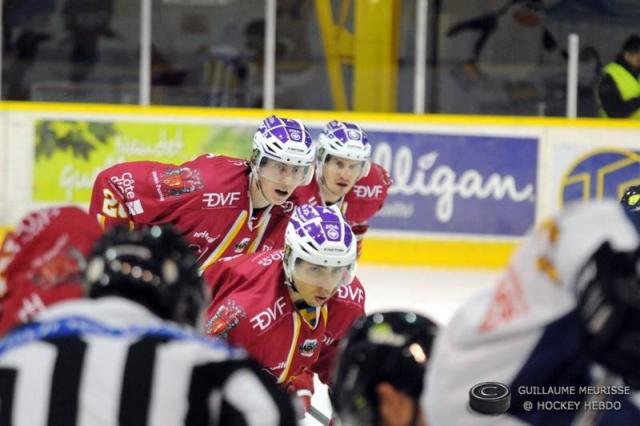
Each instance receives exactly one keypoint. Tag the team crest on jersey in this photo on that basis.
(226, 318)
(174, 181)
(63, 267)
(308, 347)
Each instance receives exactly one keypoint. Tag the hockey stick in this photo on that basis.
(590, 417)
(319, 416)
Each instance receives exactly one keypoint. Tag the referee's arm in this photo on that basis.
(248, 396)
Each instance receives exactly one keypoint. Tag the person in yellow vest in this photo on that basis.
(618, 90)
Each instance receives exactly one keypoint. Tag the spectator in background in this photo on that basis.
(25, 26)
(527, 14)
(618, 90)
(42, 262)
(87, 21)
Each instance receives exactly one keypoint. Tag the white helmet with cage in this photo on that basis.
(320, 236)
(344, 140)
(284, 141)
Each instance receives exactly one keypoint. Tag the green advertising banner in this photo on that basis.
(69, 154)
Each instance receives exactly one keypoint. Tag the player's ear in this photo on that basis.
(253, 159)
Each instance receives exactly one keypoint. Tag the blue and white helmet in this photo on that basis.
(286, 141)
(320, 235)
(345, 140)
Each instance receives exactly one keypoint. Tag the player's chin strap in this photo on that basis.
(256, 176)
(300, 304)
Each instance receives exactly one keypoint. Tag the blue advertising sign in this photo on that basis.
(463, 184)
(601, 173)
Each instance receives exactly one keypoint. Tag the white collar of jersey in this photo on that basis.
(110, 310)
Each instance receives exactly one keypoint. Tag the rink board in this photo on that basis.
(466, 188)
(3, 232)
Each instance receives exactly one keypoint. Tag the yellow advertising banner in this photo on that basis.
(69, 154)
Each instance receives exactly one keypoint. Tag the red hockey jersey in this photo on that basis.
(359, 205)
(251, 308)
(42, 262)
(206, 199)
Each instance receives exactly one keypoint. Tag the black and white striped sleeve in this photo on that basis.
(247, 395)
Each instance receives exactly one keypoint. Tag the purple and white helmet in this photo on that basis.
(319, 235)
(344, 140)
(284, 140)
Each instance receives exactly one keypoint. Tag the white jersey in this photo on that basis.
(109, 361)
(524, 332)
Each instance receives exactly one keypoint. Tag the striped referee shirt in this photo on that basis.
(111, 362)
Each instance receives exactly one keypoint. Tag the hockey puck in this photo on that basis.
(490, 398)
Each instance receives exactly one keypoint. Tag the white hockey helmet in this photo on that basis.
(321, 236)
(286, 141)
(344, 140)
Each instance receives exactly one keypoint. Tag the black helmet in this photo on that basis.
(391, 347)
(631, 202)
(152, 266)
(609, 308)
(631, 199)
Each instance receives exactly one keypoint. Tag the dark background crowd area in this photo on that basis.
(499, 57)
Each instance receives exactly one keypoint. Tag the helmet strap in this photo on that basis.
(292, 287)
(288, 272)
(288, 281)
(301, 305)
(255, 177)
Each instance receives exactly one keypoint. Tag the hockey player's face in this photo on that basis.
(278, 179)
(315, 283)
(340, 174)
(276, 193)
(396, 408)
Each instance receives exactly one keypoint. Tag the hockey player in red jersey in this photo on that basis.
(290, 308)
(221, 205)
(346, 177)
(42, 262)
